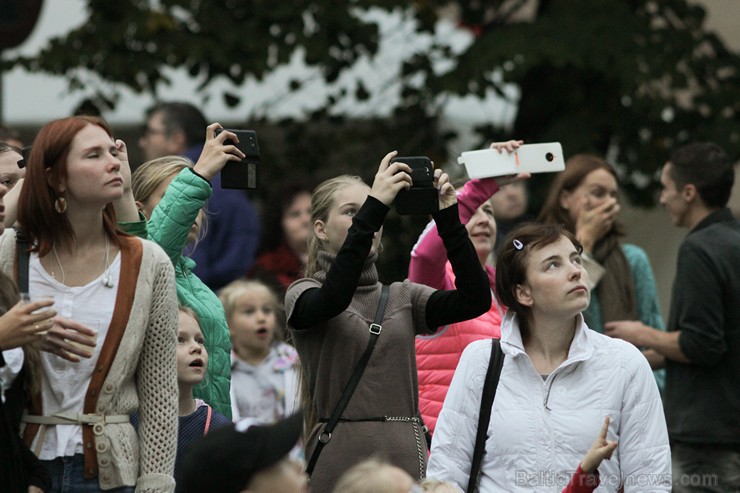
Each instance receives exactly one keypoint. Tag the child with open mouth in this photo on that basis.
(196, 417)
(264, 375)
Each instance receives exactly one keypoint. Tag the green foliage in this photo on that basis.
(629, 79)
(132, 42)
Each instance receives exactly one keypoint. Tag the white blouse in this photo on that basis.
(64, 384)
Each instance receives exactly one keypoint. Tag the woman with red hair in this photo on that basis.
(111, 348)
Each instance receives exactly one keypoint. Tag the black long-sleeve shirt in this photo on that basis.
(471, 298)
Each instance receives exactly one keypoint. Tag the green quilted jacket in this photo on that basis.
(168, 227)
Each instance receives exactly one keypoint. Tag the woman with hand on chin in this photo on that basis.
(115, 296)
(329, 313)
(171, 193)
(559, 380)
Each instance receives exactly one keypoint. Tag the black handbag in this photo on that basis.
(484, 418)
(375, 329)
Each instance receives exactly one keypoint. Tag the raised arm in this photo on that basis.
(187, 193)
(429, 257)
(335, 294)
(125, 207)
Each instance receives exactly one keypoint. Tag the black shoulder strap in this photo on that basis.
(375, 329)
(486, 404)
(22, 257)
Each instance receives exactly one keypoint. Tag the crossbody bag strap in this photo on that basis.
(22, 256)
(375, 329)
(484, 418)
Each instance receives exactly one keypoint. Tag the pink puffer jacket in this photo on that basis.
(437, 355)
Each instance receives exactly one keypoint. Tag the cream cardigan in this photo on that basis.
(142, 376)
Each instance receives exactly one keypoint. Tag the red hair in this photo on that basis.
(36, 214)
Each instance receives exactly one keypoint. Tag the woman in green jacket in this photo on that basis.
(170, 193)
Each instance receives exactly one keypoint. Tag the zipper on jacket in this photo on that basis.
(547, 393)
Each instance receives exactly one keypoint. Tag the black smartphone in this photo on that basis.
(244, 174)
(422, 197)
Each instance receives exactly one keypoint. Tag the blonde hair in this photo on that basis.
(150, 175)
(189, 312)
(437, 486)
(229, 296)
(322, 200)
(367, 476)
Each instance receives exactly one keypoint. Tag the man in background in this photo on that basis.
(233, 231)
(702, 344)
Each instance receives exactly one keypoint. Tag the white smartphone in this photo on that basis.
(529, 158)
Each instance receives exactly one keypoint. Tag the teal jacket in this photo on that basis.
(168, 227)
(646, 294)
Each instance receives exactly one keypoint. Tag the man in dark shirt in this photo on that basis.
(702, 345)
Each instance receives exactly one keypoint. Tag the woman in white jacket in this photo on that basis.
(559, 380)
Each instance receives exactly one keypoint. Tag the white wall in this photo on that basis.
(34, 99)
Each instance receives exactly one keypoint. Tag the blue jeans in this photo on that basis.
(705, 468)
(67, 476)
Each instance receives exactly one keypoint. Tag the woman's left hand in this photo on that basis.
(69, 340)
(594, 222)
(509, 146)
(447, 195)
(125, 206)
(125, 166)
(216, 152)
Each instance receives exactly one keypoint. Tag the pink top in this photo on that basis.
(437, 355)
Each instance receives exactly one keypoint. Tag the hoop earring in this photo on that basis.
(60, 205)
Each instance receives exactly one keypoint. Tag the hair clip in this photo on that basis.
(518, 244)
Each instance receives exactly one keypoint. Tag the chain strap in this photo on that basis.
(416, 424)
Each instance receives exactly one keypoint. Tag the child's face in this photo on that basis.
(252, 323)
(192, 358)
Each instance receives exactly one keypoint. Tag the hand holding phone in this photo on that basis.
(527, 158)
(244, 174)
(422, 197)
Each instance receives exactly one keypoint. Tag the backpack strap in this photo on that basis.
(208, 420)
(484, 418)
